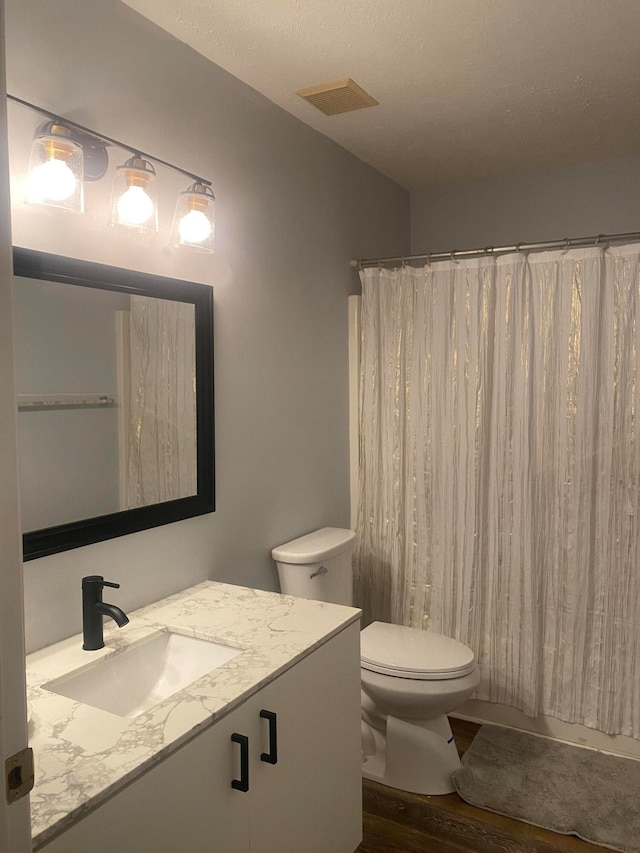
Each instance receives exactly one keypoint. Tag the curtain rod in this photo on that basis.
(90, 132)
(455, 254)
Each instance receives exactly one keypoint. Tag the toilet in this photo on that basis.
(411, 679)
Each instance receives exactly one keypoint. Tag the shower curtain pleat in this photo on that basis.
(500, 472)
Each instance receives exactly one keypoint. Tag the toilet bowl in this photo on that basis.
(411, 679)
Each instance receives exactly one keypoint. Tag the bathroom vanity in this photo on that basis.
(261, 754)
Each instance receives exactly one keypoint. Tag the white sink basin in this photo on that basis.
(129, 683)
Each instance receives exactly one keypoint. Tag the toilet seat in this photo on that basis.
(411, 653)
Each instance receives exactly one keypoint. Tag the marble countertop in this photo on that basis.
(83, 755)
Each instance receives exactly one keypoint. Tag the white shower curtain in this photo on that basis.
(160, 419)
(499, 492)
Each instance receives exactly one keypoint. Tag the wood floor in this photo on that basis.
(397, 822)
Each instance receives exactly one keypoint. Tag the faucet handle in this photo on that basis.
(99, 580)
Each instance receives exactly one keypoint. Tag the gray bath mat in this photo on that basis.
(553, 785)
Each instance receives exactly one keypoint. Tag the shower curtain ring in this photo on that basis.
(453, 258)
(567, 245)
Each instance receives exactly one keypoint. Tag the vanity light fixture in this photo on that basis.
(133, 199)
(65, 154)
(194, 220)
(56, 168)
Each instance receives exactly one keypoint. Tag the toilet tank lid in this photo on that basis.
(319, 545)
(398, 647)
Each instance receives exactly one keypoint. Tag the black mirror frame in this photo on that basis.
(41, 265)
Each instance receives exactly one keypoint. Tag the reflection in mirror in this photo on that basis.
(114, 400)
(106, 401)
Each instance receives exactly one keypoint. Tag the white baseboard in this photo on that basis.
(502, 715)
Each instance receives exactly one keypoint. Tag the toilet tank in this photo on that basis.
(318, 566)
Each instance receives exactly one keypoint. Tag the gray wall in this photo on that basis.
(65, 343)
(575, 201)
(292, 209)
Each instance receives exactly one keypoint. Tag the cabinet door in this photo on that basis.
(311, 799)
(186, 802)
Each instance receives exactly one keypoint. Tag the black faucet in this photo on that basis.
(94, 608)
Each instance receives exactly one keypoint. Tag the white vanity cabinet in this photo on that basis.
(309, 800)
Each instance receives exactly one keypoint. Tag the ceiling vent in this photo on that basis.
(343, 96)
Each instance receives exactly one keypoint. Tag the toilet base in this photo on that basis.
(419, 756)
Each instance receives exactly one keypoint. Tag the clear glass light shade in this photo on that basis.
(56, 171)
(133, 200)
(194, 220)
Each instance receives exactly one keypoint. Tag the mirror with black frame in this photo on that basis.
(114, 376)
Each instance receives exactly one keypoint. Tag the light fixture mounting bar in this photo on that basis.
(95, 133)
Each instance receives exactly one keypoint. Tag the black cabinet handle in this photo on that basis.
(242, 784)
(271, 757)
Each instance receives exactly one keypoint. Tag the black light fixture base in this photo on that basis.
(96, 158)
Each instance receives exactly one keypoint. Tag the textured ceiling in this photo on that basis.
(467, 88)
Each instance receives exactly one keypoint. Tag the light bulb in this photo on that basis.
(193, 220)
(134, 207)
(51, 181)
(56, 169)
(194, 227)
